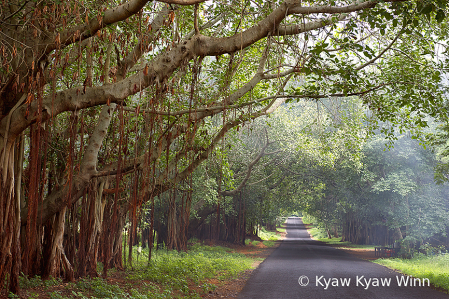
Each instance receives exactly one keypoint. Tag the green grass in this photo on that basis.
(337, 241)
(281, 230)
(93, 288)
(268, 235)
(99, 288)
(269, 243)
(254, 243)
(435, 268)
(176, 270)
(170, 274)
(317, 233)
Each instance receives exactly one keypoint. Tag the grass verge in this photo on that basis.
(267, 238)
(281, 230)
(339, 243)
(267, 235)
(170, 274)
(435, 268)
(178, 270)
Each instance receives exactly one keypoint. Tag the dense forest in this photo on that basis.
(153, 122)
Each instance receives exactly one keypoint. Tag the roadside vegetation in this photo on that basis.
(267, 235)
(169, 274)
(434, 267)
(268, 238)
(428, 262)
(319, 233)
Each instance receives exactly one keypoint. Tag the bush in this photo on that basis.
(269, 243)
(268, 235)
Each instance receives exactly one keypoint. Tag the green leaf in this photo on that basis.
(395, 22)
(427, 9)
(440, 15)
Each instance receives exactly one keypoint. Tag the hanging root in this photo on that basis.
(10, 215)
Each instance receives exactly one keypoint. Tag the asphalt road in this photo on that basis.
(326, 272)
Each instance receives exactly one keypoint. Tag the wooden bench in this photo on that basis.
(384, 251)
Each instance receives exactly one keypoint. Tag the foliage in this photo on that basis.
(56, 295)
(308, 219)
(269, 243)
(391, 188)
(170, 274)
(318, 233)
(254, 243)
(266, 235)
(30, 282)
(440, 142)
(98, 287)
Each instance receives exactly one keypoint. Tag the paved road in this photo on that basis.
(326, 269)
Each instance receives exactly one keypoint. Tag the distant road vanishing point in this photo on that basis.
(303, 268)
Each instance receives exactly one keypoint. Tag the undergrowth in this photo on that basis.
(318, 233)
(36, 281)
(176, 270)
(268, 235)
(269, 243)
(169, 274)
(93, 288)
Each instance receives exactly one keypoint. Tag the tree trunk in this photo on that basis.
(171, 222)
(57, 257)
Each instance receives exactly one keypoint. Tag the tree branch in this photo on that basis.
(163, 183)
(205, 26)
(305, 10)
(248, 171)
(278, 183)
(182, 2)
(56, 200)
(142, 46)
(195, 20)
(341, 94)
(380, 54)
(296, 29)
(81, 32)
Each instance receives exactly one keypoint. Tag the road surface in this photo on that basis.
(326, 272)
